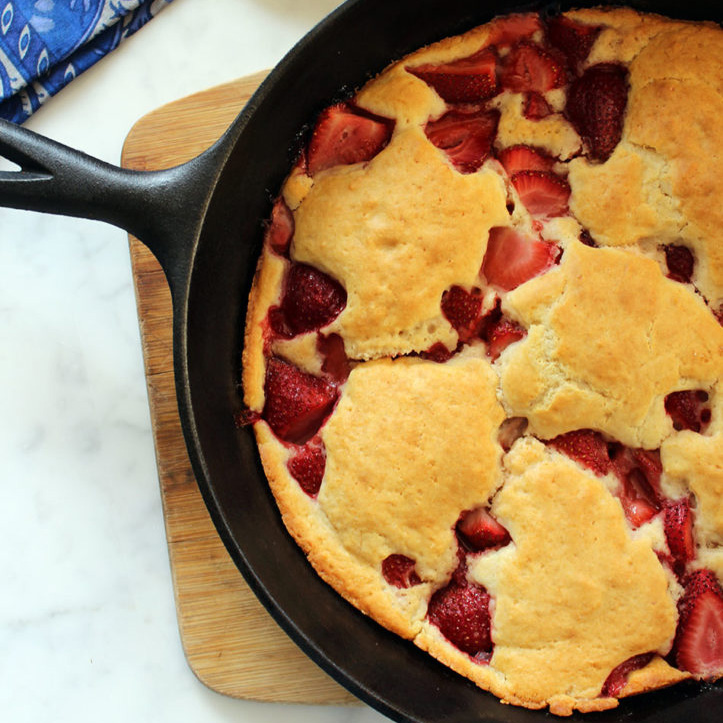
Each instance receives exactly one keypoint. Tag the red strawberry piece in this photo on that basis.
(344, 136)
(587, 447)
(678, 526)
(524, 158)
(398, 570)
(513, 28)
(307, 466)
(311, 299)
(477, 530)
(438, 352)
(574, 39)
(500, 334)
(510, 431)
(542, 193)
(689, 409)
(595, 106)
(465, 136)
(461, 611)
(535, 107)
(639, 472)
(296, 402)
(512, 258)
(463, 310)
(680, 262)
(615, 682)
(698, 644)
(335, 361)
(587, 239)
(529, 67)
(467, 80)
(281, 228)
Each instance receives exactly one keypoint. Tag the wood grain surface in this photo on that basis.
(230, 641)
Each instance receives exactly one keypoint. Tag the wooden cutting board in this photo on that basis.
(230, 641)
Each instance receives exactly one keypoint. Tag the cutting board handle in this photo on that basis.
(161, 208)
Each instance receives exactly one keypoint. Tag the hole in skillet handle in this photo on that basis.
(366, 658)
(162, 208)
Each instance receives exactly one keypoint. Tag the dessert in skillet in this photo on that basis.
(484, 347)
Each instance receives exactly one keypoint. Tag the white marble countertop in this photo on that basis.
(87, 620)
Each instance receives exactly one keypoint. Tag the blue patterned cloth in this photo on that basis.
(44, 44)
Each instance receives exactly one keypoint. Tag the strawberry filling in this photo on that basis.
(678, 526)
(399, 570)
(698, 646)
(573, 39)
(467, 80)
(307, 466)
(513, 28)
(478, 530)
(535, 107)
(639, 472)
(524, 158)
(680, 262)
(335, 363)
(618, 678)
(512, 258)
(345, 135)
(281, 228)
(461, 611)
(596, 103)
(311, 300)
(689, 409)
(586, 447)
(542, 193)
(498, 332)
(463, 310)
(297, 403)
(465, 136)
(529, 67)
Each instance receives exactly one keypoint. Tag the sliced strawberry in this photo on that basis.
(335, 361)
(463, 310)
(461, 611)
(616, 681)
(595, 106)
(639, 472)
(678, 526)
(698, 646)
(500, 334)
(281, 228)
(477, 530)
(307, 466)
(398, 570)
(465, 136)
(513, 28)
(296, 402)
(587, 447)
(680, 262)
(535, 107)
(689, 409)
(587, 239)
(512, 258)
(524, 158)
(510, 431)
(529, 67)
(311, 299)
(344, 136)
(542, 193)
(467, 80)
(574, 39)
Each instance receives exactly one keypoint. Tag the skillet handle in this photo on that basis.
(161, 208)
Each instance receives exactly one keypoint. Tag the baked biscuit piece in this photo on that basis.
(484, 350)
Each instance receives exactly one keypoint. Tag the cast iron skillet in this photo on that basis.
(203, 220)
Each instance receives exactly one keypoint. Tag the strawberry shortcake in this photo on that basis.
(484, 349)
